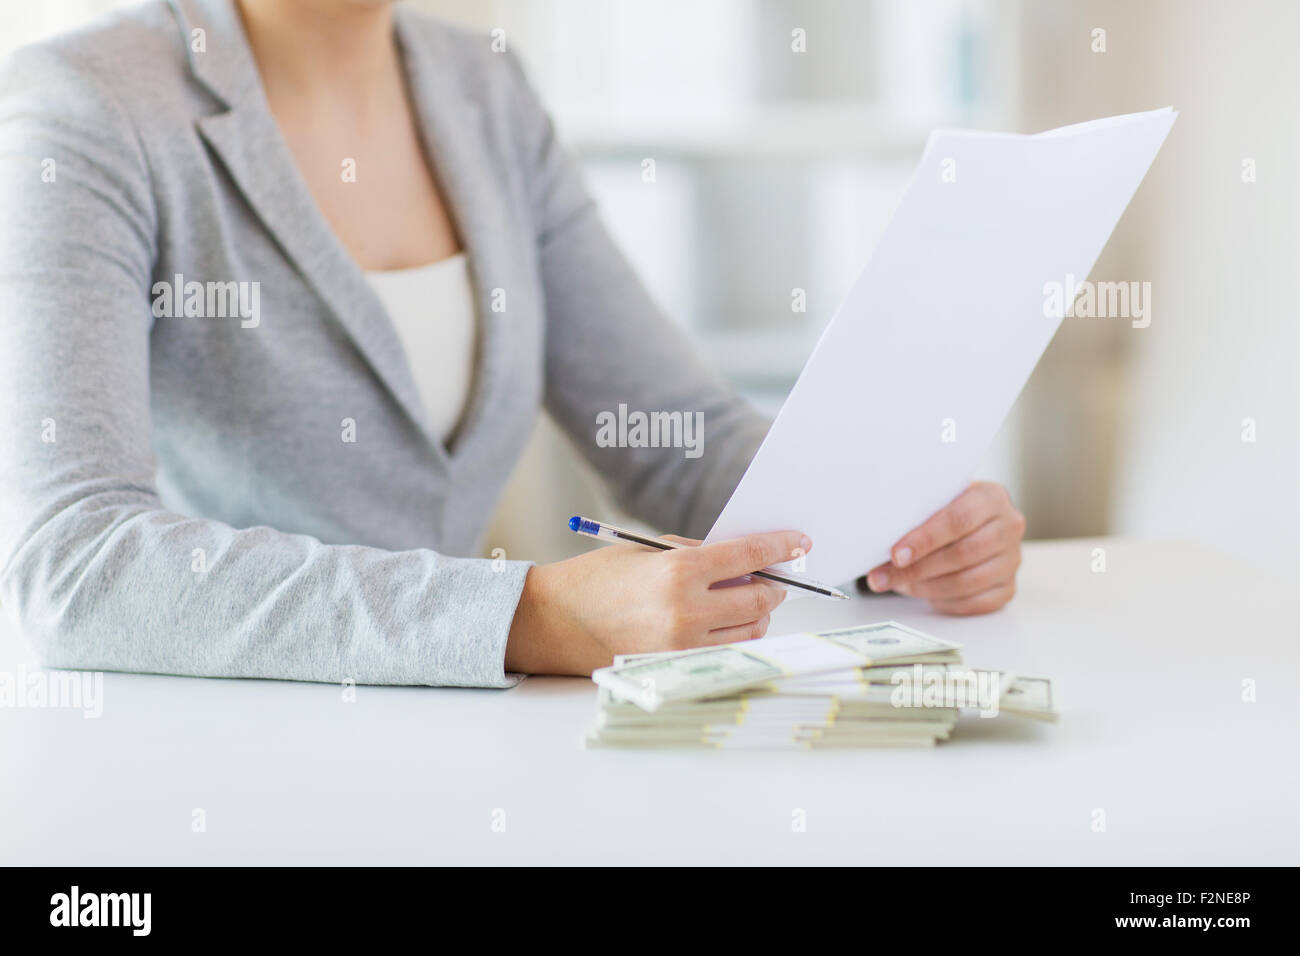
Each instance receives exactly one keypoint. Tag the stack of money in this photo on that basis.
(878, 685)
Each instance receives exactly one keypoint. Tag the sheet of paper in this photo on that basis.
(915, 373)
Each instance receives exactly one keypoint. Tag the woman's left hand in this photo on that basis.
(963, 560)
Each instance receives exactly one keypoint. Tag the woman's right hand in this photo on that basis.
(575, 615)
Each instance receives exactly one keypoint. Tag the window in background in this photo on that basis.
(781, 134)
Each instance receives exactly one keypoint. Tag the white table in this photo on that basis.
(1150, 656)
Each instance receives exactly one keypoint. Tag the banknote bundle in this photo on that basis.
(877, 685)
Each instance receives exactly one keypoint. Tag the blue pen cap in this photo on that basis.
(583, 525)
(574, 523)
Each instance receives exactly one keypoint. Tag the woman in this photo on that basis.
(235, 440)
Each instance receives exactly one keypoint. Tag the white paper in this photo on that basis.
(943, 326)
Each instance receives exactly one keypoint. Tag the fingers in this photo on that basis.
(967, 582)
(973, 508)
(698, 610)
(983, 603)
(995, 537)
(743, 632)
(964, 559)
(732, 559)
(740, 605)
(678, 539)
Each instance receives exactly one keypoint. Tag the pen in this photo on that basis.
(613, 535)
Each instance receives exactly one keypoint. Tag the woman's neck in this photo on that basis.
(337, 51)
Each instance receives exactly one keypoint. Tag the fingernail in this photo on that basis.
(806, 543)
(902, 556)
(879, 580)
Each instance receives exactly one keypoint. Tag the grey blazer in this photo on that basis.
(179, 494)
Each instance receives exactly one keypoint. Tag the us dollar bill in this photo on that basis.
(1031, 697)
(690, 675)
(650, 681)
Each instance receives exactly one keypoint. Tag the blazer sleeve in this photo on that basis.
(93, 570)
(609, 345)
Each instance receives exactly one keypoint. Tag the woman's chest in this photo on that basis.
(378, 193)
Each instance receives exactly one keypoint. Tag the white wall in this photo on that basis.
(1224, 342)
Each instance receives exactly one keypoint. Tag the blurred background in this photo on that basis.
(782, 135)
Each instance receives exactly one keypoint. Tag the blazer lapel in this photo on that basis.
(249, 144)
(451, 122)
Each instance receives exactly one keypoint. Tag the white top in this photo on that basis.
(432, 308)
(1154, 731)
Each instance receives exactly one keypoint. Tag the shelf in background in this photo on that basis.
(796, 131)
